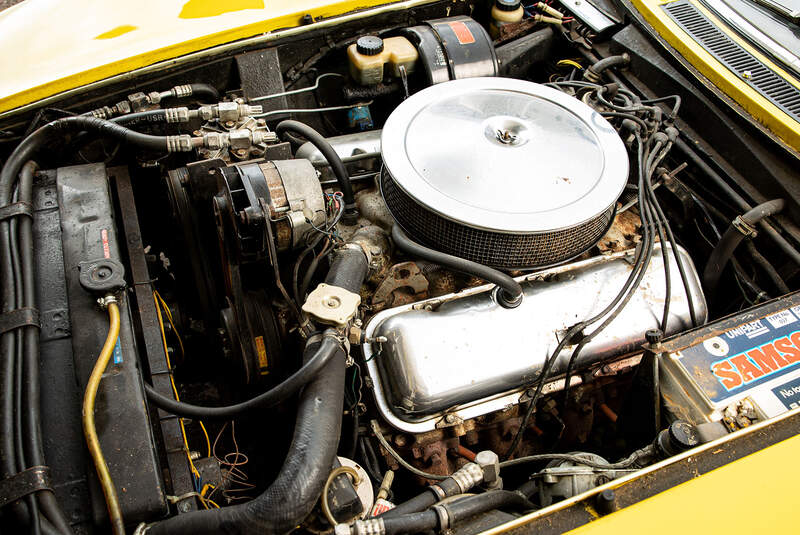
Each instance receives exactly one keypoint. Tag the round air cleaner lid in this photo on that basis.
(504, 155)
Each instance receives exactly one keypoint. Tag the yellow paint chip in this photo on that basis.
(198, 9)
(116, 32)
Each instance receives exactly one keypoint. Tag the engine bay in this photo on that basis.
(425, 270)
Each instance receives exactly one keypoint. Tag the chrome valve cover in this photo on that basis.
(465, 355)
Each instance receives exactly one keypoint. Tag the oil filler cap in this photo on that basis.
(369, 45)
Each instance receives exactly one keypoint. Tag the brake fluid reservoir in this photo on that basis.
(370, 54)
(505, 12)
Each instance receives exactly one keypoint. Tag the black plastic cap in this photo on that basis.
(653, 336)
(369, 45)
(507, 5)
(683, 435)
(606, 502)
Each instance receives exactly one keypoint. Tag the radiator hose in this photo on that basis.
(292, 495)
(741, 227)
(298, 486)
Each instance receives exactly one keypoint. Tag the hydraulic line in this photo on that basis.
(89, 429)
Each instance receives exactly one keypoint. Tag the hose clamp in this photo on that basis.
(443, 515)
(744, 227)
(438, 492)
(107, 300)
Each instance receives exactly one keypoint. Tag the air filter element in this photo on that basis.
(507, 173)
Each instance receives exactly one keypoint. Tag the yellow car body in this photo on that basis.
(52, 48)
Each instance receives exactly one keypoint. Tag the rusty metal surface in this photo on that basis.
(623, 233)
(404, 283)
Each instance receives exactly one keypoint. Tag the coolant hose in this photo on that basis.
(89, 428)
(293, 493)
(296, 489)
(311, 369)
(325, 148)
(511, 292)
(594, 73)
(454, 512)
(447, 488)
(743, 226)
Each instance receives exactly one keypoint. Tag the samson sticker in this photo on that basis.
(745, 356)
(759, 362)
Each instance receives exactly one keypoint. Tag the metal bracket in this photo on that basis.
(19, 317)
(21, 484)
(16, 209)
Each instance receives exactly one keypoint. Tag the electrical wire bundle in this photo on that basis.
(643, 122)
(21, 445)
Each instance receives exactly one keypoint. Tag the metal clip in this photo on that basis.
(744, 227)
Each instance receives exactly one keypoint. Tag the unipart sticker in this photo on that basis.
(746, 356)
(750, 330)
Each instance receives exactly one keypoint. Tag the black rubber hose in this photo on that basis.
(449, 487)
(31, 415)
(731, 239)
(295, 490)
(768, 268)
(207, 91)
(28, 337)
(411, 523)
(595, 72)
(510, 295)
(325, 148)
(458, 511)
(31, 144)
(707, 170)
(418, 503)
(480, 503)
(150, 116)
(314, 364)
(348, 269)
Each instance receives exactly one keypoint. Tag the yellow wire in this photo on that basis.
(89, 429)
(168, 313)
(194, 470)
(569, 62)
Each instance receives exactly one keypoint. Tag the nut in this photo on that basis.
(490, 464)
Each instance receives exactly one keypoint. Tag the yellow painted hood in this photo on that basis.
(51, 46)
